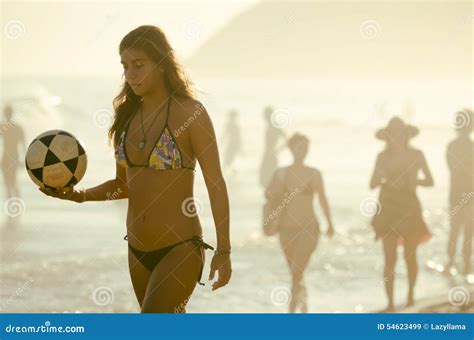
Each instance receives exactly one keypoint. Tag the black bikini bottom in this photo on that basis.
(150, 259)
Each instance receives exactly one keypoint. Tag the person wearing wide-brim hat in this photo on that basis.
(460, 158)
(399, 218)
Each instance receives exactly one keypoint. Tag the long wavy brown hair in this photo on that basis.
(154, 43)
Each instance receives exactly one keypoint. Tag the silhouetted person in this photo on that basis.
(460, 157)
(299, 226)
(399, 218)
(12, 138)
(232, 140)
(270, 160)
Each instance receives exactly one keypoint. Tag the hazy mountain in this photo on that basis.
(342, 40)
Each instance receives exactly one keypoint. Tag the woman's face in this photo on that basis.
(140, 72)
(299, 150)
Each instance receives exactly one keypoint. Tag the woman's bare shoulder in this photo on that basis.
(313, 171)
(190, 107)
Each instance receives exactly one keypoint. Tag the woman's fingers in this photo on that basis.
(62, 193)
(222, 265)
(223, 279)
(212, 273)
(47, 191)
(66, 192)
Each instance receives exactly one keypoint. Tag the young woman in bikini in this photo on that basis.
(159, 132)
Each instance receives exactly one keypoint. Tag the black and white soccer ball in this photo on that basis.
(56, 159)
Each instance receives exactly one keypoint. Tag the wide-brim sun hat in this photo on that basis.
(397, 130)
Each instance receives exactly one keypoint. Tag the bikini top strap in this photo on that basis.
(127, 123)
(168, 111)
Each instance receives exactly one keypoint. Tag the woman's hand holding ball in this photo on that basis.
(67, 193)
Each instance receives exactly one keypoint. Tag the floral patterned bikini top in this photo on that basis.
(165, 155)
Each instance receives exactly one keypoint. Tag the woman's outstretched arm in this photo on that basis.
(113, 189)
(427, 180)
(203, 141)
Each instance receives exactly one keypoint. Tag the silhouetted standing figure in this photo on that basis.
(399, 218)
(232, 140)
(270, 154)
(460, 158)
(299, 226)
(12, 138)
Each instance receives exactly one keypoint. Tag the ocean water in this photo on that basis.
(61, 256)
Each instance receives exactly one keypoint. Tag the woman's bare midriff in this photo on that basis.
(157, 216)
(299, 213)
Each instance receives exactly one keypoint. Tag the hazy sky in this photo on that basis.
(72, 38)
